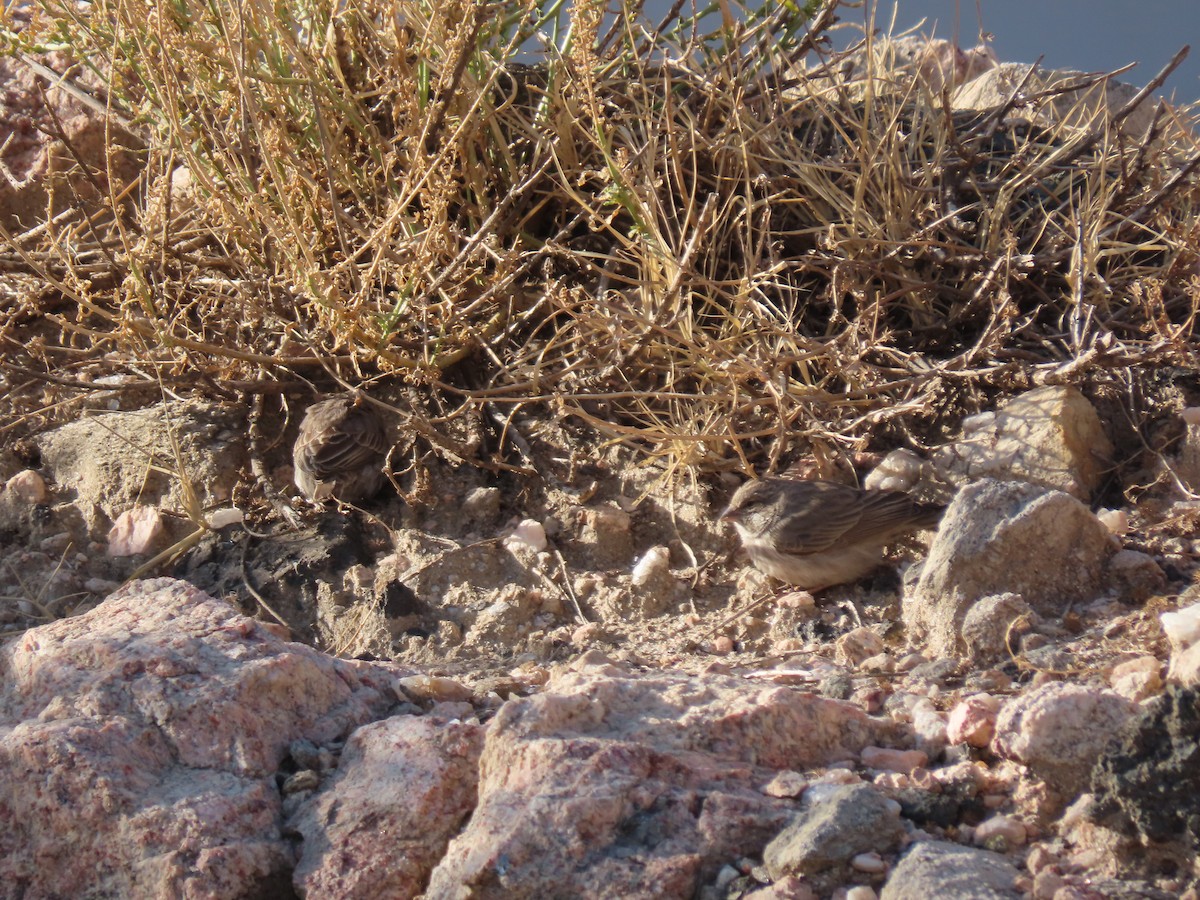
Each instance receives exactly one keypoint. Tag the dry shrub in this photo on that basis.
(675, 232)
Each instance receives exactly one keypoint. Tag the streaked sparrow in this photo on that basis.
(339, 451)
(815, 534)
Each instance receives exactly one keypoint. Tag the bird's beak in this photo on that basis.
(730, 515)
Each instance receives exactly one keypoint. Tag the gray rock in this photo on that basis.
(112, 461)
(951, 872)
(853, 819)
(1135, 575)
(1005, 537)
(991, 625)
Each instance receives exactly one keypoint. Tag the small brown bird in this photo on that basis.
(339, 451)
(815, 534)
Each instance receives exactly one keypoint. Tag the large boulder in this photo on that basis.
(615, 784)
(139, 746)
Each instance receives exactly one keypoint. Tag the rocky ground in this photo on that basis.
(560, 677)
(574, 685)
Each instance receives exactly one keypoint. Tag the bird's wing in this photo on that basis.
(357, 439)
(888, 514)
(820, 516)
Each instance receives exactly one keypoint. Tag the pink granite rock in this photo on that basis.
(403, 788)
(1059, 730)
(139, 744)
(615, 785)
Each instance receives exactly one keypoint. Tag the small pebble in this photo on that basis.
(653, 566)
(786, 784)
(722, 645)
(28, 487)
(871, 863)
(861, 892)
(531, 533)
(1010, 829)
(893, 760)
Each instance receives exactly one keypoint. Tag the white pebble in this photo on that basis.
(653, 565)
(1182, 627)
(1115, 520)
(1012, 830)
(861, 892)
(531, 533)
(1191, 415)
(869, 862)
(230, 515)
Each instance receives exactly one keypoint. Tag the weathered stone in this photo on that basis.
(114, 460)
(1059, 730)
(608, 784)
(402, 790)
(852, 819)
(1050, 436)
(139, 744)
(1083, 108)
(993, 627)
(1005, 537)
(951, 872)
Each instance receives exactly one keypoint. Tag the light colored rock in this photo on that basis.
(786, 784)
(1084, 108)
(1005, 537)
(951, 872)
(929, 726)
(871, 863)
(993, 627)
(136, 532)
(901, 470)
(529, 532)
(27, 487)
(654, 564)
(1138, 678)
(402, 790)
(1115, 520)
(896, 62)
(1182, 627)
(613, 784)
(1007, 828)
(1059, 730)
(851, 820)
(891, 760)
(856, 646)
(973, 721)
(1050, 436)
(159, 720)
(791, 888)
(1185, 667)
(115, 460)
